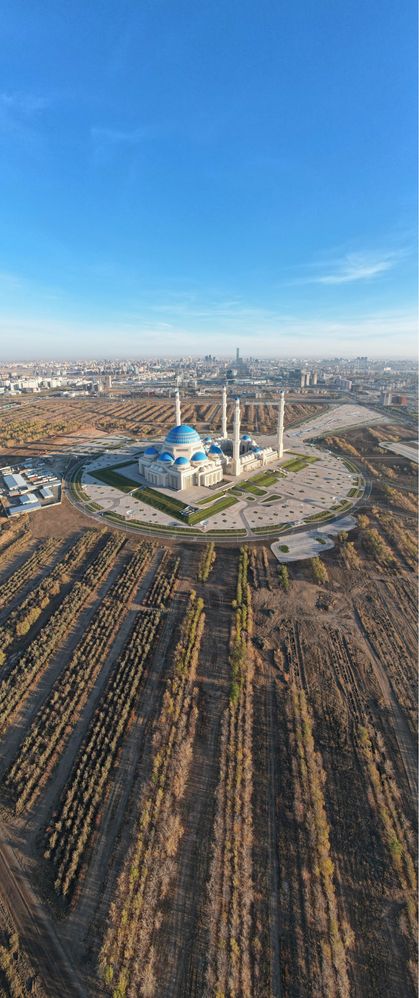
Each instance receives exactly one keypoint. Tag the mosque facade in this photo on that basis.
(185, 458)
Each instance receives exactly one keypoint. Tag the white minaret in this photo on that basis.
(224, 415)
(236, 439)
(280, 440)
(177, 408)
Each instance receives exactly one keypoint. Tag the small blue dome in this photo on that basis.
(246, 436)
(181, 460)
(257, 450)
(150, 452)
(167, 458)
(199, 456)
(183, 434)
(207, 440)
(215, 449)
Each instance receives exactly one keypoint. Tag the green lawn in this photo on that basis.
(318, 516)
(122, 464)
(110, 477)
(158, 528)
(265, 478)
(271, 498)
(155, 528)
(297, 463)
(231, 533)
(270, 530)
(249, 487)
(174, 508)
(342, 506)
(212, 497)
(166, 504)
(203, 514)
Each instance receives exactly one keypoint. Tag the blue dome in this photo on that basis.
(166, 457)
(215, 449)
(246, 436)
(257, 450)
(181, 460)
(183, 434)
(207, 440)
(199, 456)
(150, 452)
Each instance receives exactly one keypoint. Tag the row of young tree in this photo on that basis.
(25, 615)
(397, 833)
(27, 570)
(52, 726)
(13, 530)
(161, 588)
(207, 562)
(329, 972)
(71, 828)
(230, 889)
(391, 649)
(12, 976)
(26, 431)
(30, 665)
(127, 960)
(402, 539)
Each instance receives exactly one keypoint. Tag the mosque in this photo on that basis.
(185, 459)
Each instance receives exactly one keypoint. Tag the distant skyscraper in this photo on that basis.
(237, 355)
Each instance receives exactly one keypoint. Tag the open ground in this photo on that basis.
(208, 758)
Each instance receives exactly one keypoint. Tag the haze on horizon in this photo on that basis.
(180, 180)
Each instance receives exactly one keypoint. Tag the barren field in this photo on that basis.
(208, 772)
(58, 424)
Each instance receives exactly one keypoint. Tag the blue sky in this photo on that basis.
(183, 177)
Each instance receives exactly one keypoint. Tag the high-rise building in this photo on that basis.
(237, 355)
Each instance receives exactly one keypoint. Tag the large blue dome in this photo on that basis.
(199, 456)
(150, 452)
(167, 458)
(182, 434)
(181, 460)
(215, 449)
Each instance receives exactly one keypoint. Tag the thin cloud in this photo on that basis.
(350, 268)
(356, 267)
(22, 103)
(108, 136)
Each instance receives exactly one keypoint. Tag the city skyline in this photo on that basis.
(196, 179)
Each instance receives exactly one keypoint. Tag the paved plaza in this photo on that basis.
(310, 543)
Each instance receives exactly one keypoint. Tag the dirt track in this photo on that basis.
(39, 937)
(183, 938)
